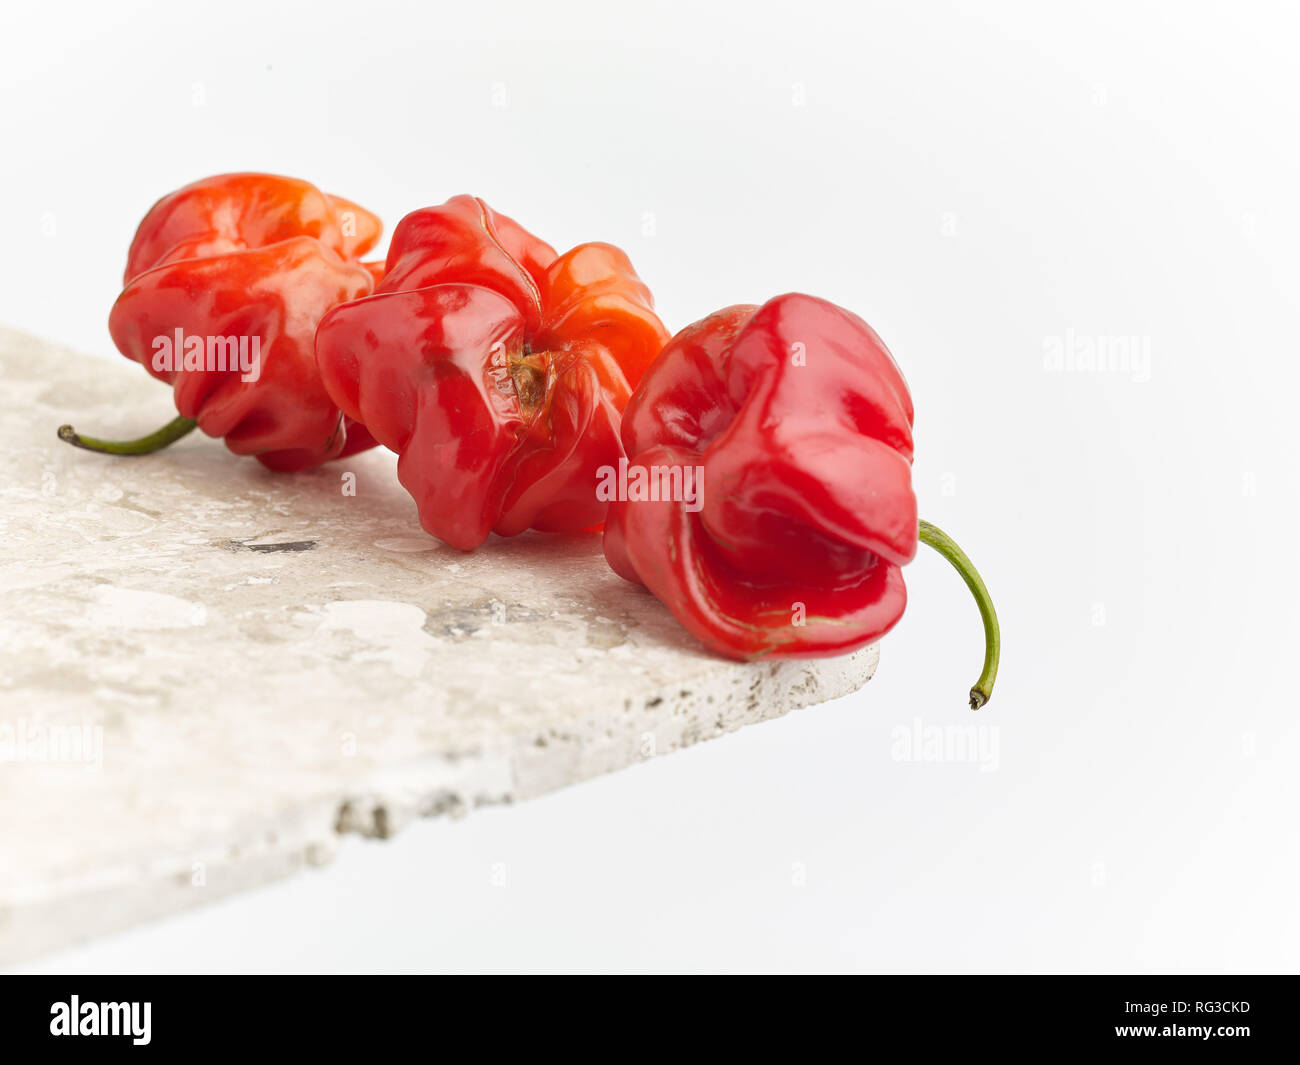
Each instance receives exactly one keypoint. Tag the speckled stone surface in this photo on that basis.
(208, 672)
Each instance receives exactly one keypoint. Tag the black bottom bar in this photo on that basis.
(336, 1015)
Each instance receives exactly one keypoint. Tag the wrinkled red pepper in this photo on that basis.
(496, 369)
(794, 426)
(238, 269)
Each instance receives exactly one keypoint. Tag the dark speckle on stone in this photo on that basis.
(287, 545)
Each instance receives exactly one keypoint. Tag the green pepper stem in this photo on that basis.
(943, 543)
(155, 441)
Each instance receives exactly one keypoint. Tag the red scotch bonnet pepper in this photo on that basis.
(226, 281)
(495, 368)
(768, 500)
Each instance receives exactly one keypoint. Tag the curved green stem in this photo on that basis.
(943, 543)
(155, 441)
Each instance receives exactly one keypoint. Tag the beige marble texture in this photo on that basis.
(209, 672)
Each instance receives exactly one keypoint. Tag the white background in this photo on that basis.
(979, 182)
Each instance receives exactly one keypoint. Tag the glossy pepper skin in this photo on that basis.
(249, 255)
(495, 368)
(802, 424)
